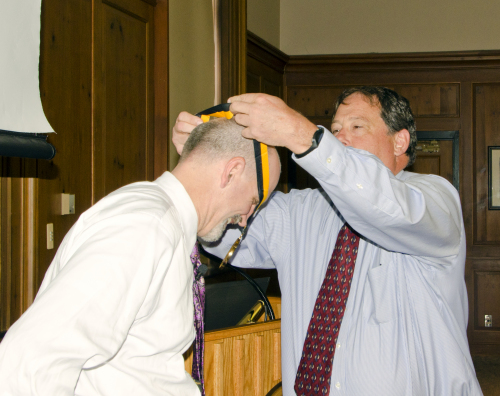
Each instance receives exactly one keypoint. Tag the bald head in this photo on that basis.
(218, 139)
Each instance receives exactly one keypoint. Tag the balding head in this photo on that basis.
(218, 170)
(218, 139)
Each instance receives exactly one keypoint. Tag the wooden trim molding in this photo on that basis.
(266, 53)
(161, 85)
(396, 61)
(233, 25)
(242, 330)
(152, 2)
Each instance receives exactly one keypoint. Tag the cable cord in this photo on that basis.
(267, 305)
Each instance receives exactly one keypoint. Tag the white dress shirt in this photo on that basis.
(404, 327)
(115, 310)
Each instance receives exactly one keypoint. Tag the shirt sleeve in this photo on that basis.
(408, 213)
(82, 316)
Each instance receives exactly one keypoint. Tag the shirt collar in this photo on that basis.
(183, 203)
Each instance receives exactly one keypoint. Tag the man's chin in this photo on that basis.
(215, 233)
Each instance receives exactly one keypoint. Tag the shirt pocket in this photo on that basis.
(381, 302)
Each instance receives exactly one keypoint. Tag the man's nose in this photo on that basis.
(342, 137)
(244, 218)
(243, 222)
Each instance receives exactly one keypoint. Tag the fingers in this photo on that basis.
(186, 122)
(242, 119)
(184, 125)
(244, 108)
(248, 97)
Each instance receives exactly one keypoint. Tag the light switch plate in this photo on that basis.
(50, 236)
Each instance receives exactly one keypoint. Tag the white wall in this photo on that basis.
(364, 26)
(263, 19)
(191, 60)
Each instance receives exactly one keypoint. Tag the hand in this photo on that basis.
(184, 124)
(269, 120)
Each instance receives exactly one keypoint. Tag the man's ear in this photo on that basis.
(401, 142)
(233, 169)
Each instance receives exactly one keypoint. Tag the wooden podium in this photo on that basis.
(243, 360)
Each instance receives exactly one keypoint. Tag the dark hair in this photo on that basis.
(394, 109)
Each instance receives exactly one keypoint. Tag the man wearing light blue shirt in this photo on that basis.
(404, 327)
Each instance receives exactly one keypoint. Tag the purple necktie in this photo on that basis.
(315, 367)
(199, 308)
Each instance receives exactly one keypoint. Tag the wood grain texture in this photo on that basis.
(123, 127)
(244, 360)
(233, 25)
(436, 163)
(161, 84)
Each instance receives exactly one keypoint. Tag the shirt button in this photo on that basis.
(329, 160)
(337, 385)
(359, 186)
(338, 345)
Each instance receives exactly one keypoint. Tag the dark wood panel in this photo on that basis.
(486, 133)
(436, 163)
(427, 100)
(487, 286)
(431, 100)
(253, 82)
(408, 62)
(272, 87)
(161, 99)
(314, 101)
(66, 90)
(123, 133)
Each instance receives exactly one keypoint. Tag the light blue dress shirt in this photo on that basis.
(404, 327)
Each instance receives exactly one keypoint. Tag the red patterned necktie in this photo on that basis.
(314, 372)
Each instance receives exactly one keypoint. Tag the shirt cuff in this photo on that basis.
(325, 159)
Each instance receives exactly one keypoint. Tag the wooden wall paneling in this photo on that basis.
(486, 133)
(440, 163)
(66, 92)
(486, 294)
(161, 91)
(18, 260)
(123, 111)
(487, 285)
(265, 74)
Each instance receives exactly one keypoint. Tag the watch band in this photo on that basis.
(315, 143)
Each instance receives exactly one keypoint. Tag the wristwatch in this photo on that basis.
(315, 143)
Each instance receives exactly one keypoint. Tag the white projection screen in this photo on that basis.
(20, 104)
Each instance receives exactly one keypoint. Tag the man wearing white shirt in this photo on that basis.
(403, 327)
(114, 313)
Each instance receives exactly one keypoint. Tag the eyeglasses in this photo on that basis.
(261, 162)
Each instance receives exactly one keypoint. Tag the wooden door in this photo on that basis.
(123, 94)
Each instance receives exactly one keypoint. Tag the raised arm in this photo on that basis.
(408, 213)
